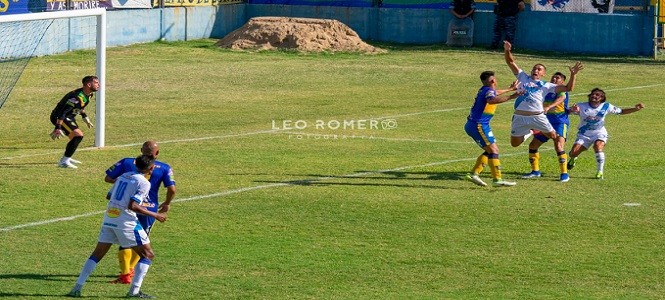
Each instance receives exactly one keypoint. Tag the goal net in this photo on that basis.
(25, 36)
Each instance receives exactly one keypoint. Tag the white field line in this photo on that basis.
(141, 143)
(334, 136)
(253, 188)
(246, 189)
(278, 130)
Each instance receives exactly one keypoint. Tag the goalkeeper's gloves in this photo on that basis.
(57, 133)
(87, 122)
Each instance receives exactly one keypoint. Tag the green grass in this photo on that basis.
(322, 213)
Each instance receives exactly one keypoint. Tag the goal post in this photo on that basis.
(17, 47)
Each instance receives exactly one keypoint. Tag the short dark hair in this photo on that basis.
(598, 90)
(560, 74)
(144, 162)
(486, 75)
(88, 79)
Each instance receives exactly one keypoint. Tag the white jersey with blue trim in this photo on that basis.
(130, 186)
(535, 91)
(593, 118)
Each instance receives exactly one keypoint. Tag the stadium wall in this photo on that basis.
(544, 31)
(613, 34)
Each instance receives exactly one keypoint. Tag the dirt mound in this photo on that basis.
(302, 34)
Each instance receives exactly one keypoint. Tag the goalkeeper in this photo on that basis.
(63, 118)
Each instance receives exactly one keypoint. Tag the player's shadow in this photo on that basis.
(45, 277)
(25, 165)
(50, 277)
(364, 178)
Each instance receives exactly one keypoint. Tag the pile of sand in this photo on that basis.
(302, 34)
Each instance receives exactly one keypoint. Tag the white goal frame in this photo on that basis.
(100, 14)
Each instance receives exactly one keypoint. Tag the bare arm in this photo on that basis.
(556, 102)
(625, 111)
(109, 179)
(501, 97)
(575, 110)
(573, 78)
(170, 195)
(508, 56)
(513, 87)
(141, 210)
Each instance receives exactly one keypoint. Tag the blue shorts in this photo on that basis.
(480, 133)
(560, 128)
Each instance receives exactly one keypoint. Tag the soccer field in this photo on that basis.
(333, 176)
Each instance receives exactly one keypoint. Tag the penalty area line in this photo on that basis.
(253, 188)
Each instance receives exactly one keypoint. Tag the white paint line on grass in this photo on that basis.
(335, 136)
(246, 189)
(278, 130)
(161, 142)
(253, 188)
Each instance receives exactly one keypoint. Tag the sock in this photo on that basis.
(563, 158)
(134, 261)
(139, 273)
(600, 161)
(534, 160)
(72, 145)
(88, 267)
(124, 260)
(481, 162)
(495, 166)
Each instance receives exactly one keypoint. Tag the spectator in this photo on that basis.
(463, 9)
(505, 23)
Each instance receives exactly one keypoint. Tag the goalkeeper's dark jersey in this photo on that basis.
(71, 104)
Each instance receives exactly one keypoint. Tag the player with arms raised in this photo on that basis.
(529, 111)
(591, 129)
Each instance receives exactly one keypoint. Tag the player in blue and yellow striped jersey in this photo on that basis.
(478, 127)
(556, 110)
(161, 175)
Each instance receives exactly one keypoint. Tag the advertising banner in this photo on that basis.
(9, 7)
(131, 3)
(346, 3)
(171, 3)
(416, 4)
(56, 5)
(661, 11)
(579, 6)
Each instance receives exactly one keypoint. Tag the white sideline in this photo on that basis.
(277, 130)
(247, 189)
(334, 136)
(258, 187)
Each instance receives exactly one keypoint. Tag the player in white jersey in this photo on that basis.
(591, 130)
(121, 226)
(529, 111)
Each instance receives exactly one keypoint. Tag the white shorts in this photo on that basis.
(124, 238)
(522, 125)
(588, 138)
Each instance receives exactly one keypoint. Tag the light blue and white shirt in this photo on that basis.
(130, 186)
(535, 91)
(592, 119)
